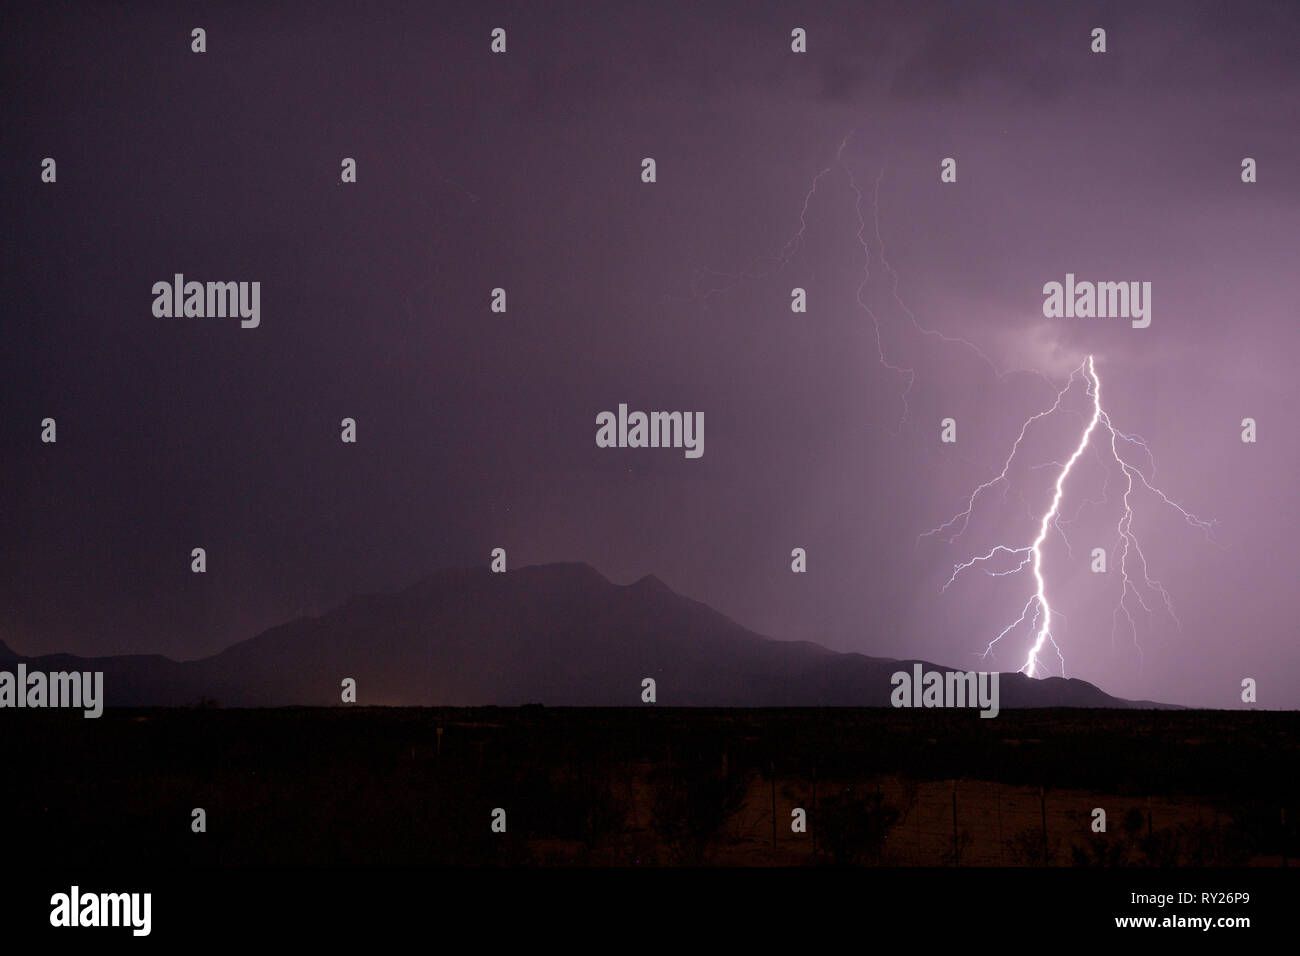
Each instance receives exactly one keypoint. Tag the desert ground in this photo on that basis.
(652, 787)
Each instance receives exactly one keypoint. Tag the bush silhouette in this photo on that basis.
(855, 824)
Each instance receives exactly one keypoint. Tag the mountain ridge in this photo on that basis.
(559, 634)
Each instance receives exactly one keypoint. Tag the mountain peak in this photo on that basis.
(574, 569)
(650, 583)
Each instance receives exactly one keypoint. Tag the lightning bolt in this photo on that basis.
(765, 267)
(1037, 612)
(1045, 630)
(769, 265)
(1038, 609)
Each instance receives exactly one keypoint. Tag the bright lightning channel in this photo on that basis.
(1045, 631)
(1031, 555)
(1037, 609)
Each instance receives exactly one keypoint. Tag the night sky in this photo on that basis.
(476, 430)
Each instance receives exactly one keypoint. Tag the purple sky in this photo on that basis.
(477, 430)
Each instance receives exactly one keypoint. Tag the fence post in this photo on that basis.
(997, 804)
(772, 765)
(1042, 805)
(956, 848)
(814, 810)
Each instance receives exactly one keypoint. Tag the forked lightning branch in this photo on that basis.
(1037, 616)
(1074, 299)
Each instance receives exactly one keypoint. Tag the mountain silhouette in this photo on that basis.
(556, 634)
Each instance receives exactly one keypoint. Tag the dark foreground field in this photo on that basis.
(650, 786)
